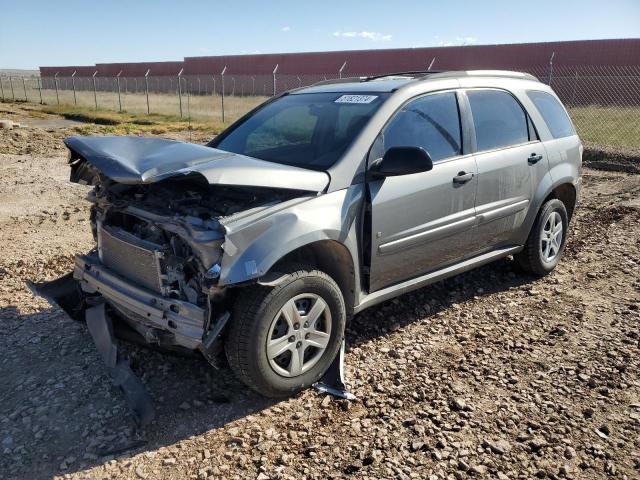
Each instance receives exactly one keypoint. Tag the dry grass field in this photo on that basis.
(199, 107)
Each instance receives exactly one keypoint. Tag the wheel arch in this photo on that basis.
(563, 189)
(565, 192)
(329, 256)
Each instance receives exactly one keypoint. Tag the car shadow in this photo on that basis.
(433, 299)
(53, 382)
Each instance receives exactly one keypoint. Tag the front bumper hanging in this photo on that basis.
(137, 398)
(65, 292)
(70, 293)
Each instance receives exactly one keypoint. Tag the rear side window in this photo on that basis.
(431, 122)
(554, 115)
(498, 118)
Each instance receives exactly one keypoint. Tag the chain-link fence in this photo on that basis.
(604, 102)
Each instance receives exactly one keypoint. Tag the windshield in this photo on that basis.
(309, 130)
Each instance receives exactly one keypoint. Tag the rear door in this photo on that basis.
(422, 221)
(511, 161)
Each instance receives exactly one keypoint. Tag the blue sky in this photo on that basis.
(43, 32)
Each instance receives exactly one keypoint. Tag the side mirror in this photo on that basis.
(402, 161)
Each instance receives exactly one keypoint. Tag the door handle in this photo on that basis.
(462, 177)
(533, 159)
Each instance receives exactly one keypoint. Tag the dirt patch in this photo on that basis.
(612, 159)
(489, 374)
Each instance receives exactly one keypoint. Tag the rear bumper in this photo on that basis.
(147, 312)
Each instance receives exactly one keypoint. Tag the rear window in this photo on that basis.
(553, 114)
(498, 118)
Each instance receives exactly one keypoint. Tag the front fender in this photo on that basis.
(253, 247)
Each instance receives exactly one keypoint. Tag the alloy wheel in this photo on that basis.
(298, 335)
(551, 237)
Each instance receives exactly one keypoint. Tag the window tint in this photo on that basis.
(498, 118)
(431, 122)
(554, 115)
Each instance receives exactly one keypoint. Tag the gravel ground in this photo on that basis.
(491, 374)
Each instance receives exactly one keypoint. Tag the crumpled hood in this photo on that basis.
(135, 160)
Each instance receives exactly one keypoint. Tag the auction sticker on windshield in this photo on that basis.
(356, 99)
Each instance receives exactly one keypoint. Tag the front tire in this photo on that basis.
(546, 242)
(283, 338)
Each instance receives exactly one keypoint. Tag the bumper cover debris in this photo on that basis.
(137, 398)
(65, 292)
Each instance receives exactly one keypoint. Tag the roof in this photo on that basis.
(393, 81)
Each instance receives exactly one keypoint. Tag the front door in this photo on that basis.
(423, 221)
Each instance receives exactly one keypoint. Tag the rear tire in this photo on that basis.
(303, 316)
(545, 245)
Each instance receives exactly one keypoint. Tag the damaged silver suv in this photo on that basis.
(317, 204)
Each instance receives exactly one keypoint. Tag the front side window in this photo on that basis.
(498, 119)
(431, 122)
(553, 114)
(309, 130)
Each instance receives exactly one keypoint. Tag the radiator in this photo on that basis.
(134, 262)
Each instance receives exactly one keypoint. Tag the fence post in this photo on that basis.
(13, 96)
(24, 86)
(119, 99)
(341, 69)
(275, 70)
(1, 88)
(55, 80)
(233, 88)
(222, 91)
(198, 85)
(95, 94)
(573, 93)
(73, 85)
(253, 85)
(299, 81)
(433, 60)
(40, 89)
(180, 90)
(213, 89)
(146, 88)
(553, 54)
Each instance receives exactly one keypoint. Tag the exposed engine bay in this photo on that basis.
(168, 236)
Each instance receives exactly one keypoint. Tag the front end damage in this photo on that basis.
(154, 276)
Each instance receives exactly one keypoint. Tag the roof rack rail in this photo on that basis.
(433, 74)
(338, 80)
(412, 73)
(486, 73)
